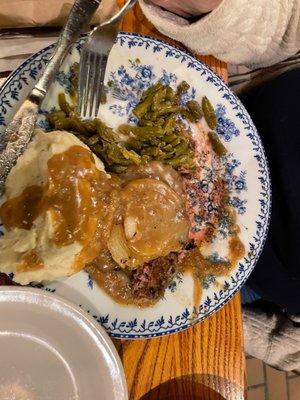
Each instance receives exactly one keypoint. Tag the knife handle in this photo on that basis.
(80, 15)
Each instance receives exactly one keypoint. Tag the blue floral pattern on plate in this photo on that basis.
(246, 174)
(128, 84)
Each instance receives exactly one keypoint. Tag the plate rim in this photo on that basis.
(6, 292)
(266, 172)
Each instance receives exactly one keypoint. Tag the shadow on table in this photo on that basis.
(196, 387)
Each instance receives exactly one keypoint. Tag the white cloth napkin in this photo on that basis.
(273, 338)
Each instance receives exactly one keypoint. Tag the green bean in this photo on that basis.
(148, 131)
(145, 159)
(209, 113)
(130, 155)
(181, 148)
(93, 139)
(178, 161)
(168, 155)
(150, 100)
(104, 132)
(183, 87)
(145, 122)
(184, 136)
(55, 117)
(152, 89)
(158, 98)
(82, 125)
(194, 110)
(118, 169)
(176, 141)
(90, 126)
(160, 122)
(126, 129)
(154, 141)
(142, 108)
(98, 148)
(133, 144)
(170, 95)
(164, 109)
(63, 104)
(168, 148)
(70, 124)
(217, 145)
(159, 135)
(114, 155)
(141, 131)
(189, 165)
(170, 123)
(188, 115)
(148, 116)
(120, 161)
(152, 151)
(162, 144)
(170, 138)
(57, 114)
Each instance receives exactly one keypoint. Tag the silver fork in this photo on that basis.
(93, 63)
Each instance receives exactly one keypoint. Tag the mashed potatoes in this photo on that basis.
(38, 244)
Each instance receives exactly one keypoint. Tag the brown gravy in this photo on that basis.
(81, 200)
(116, 282)
(84, 204)
(107, 274)
(21, 211)
(30, 262)
(161, 223)
(201, 268)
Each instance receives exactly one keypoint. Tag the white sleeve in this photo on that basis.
(255, 33)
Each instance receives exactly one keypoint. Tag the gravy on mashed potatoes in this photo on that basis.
(57, 209)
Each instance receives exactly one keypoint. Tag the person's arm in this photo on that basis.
(255, 33)
(189, 8)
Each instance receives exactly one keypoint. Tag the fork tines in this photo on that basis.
(91, 82)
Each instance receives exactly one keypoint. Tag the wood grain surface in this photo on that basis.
(205, 362)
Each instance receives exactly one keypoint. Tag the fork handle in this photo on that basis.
(80, 15)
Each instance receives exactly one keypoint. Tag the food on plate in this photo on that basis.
(54, 198)
(134, 207)
(160, 133)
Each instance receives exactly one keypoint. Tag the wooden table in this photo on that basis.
(205, 362)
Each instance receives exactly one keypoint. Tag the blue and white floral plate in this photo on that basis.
(135, 63)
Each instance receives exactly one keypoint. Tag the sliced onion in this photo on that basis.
(118, 248)
(130, 227)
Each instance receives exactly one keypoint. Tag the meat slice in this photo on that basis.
(205, 188)
(151, 279)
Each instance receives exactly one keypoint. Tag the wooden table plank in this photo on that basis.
(204, 362)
